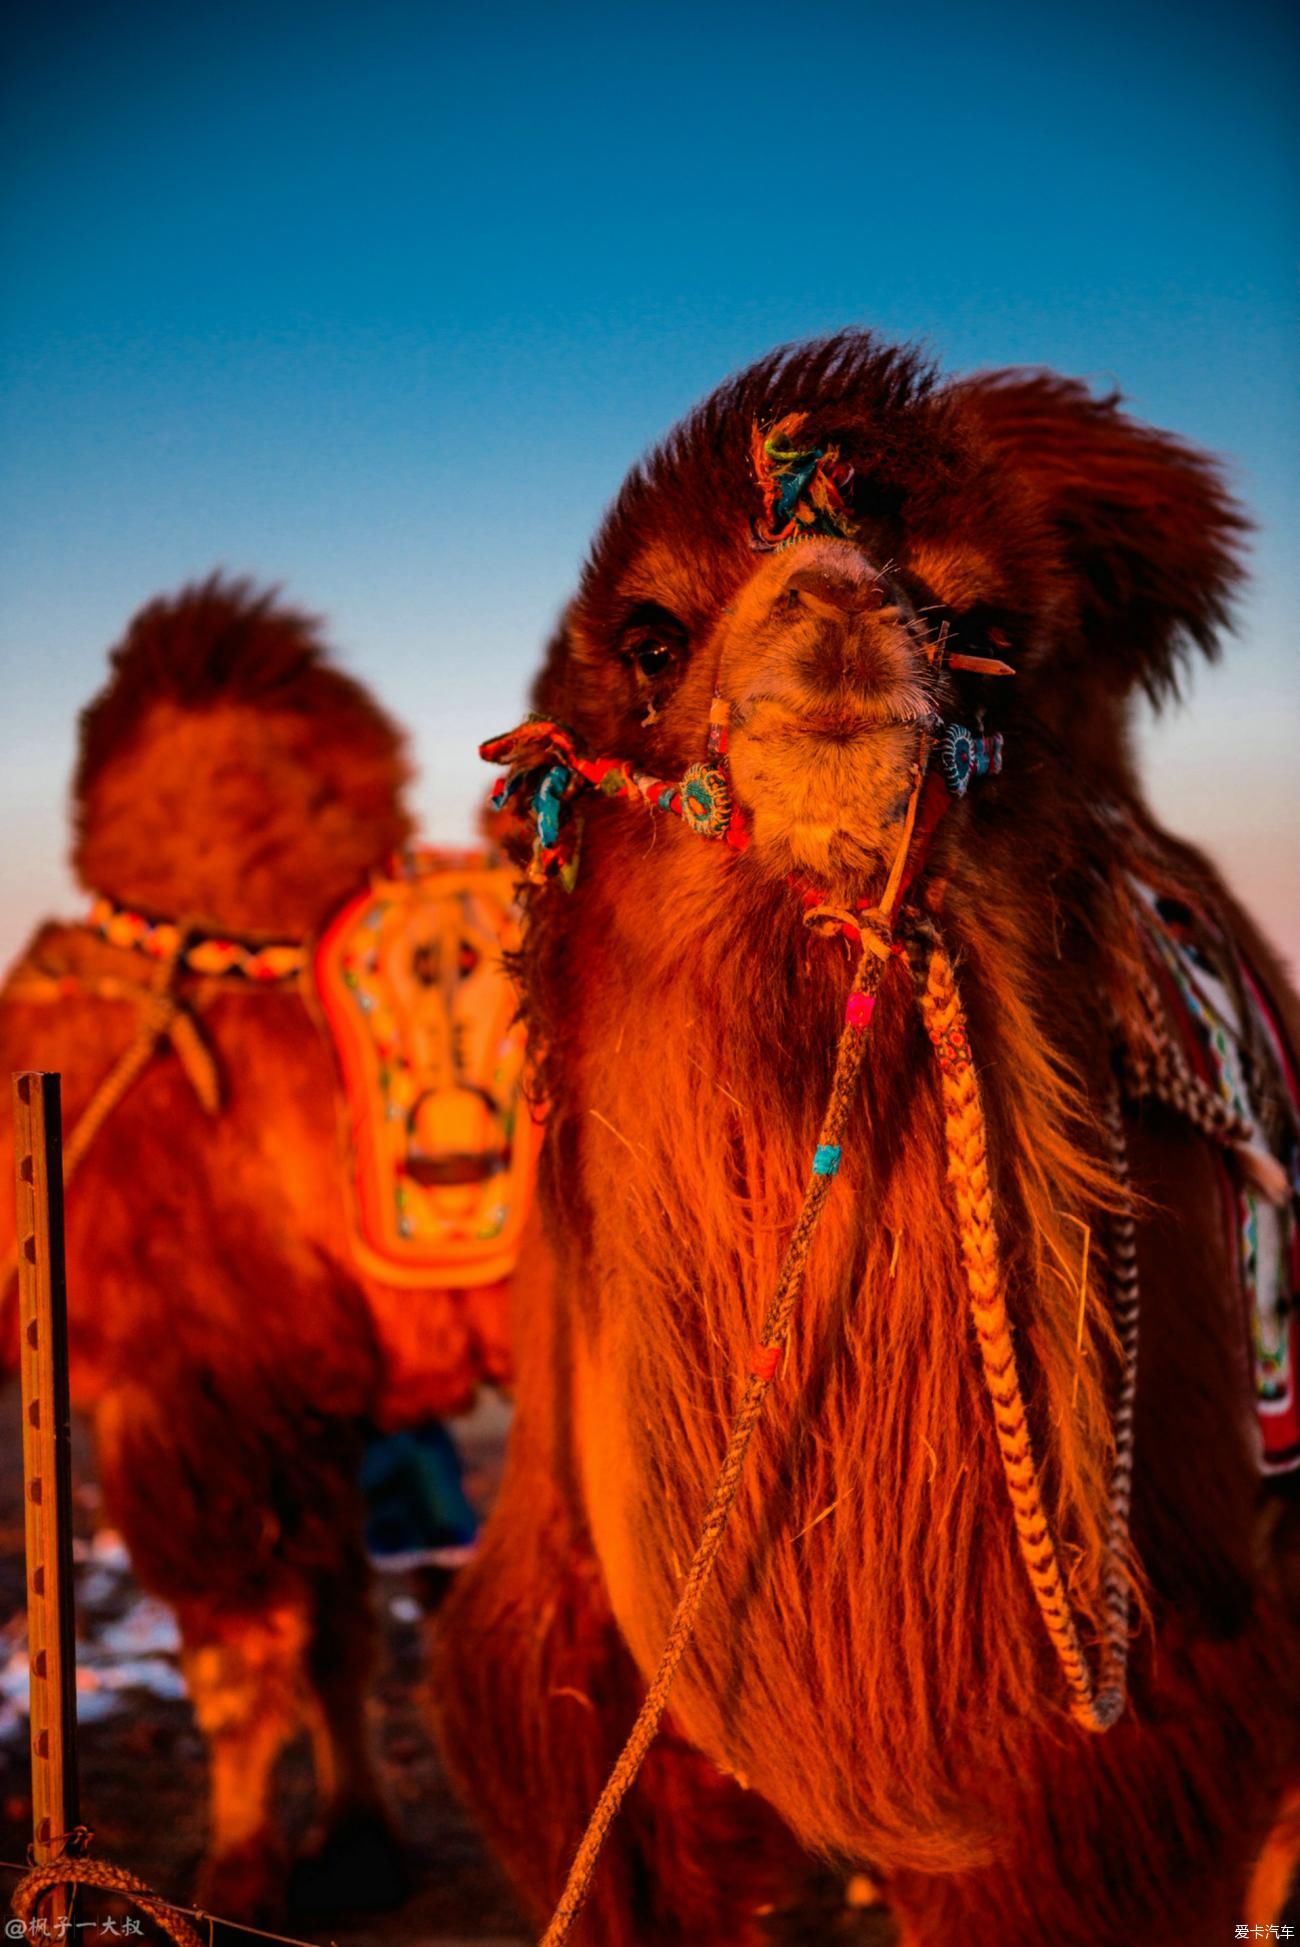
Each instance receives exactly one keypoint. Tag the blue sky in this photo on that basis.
(378, 302)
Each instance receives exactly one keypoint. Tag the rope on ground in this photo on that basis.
(71, 1871)
(112, 1879)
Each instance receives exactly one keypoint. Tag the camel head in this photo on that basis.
(844, 549)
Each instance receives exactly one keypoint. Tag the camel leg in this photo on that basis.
(340, 1666)
(245, 1617)
(250, 1527)
(247, 1681)
(358, 1859)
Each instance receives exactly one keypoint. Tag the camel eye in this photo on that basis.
(652, 658)
(653, 641)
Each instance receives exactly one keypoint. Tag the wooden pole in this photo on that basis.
(47, 1472)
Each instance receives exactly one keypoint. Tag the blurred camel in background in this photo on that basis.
(237, 1309)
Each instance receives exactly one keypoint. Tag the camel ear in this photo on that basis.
(1145, 529)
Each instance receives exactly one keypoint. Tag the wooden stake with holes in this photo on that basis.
(47, 1472)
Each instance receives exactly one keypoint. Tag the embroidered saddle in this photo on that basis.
(1210, 1044)
(410, 975)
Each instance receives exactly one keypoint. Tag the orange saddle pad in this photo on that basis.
(422, 1013)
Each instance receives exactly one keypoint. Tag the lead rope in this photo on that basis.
(1125, 1304)
(1095, 1705)
(776, 1326)
(876, 931)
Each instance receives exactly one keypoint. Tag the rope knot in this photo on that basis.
(871, 928)
(156, 1016)
(877, 932)
(830, 920)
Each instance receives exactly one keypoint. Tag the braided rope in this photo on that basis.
(155, 1020)
(1158, 1065)
(97, 1872)
(1125, 1303)
(776, 1325)
(1165, 1074)
(105, 1099)
(968, 1177)
(30, 987)
(162, 1013)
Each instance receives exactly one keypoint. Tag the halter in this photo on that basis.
(548, 772)
(803, 490)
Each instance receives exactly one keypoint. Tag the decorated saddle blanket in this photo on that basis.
(411, 977)
(1228, 1066)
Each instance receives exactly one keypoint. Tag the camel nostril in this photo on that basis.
(832, 591)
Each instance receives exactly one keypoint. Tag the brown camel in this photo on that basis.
(933, 1641)
(227, 1342)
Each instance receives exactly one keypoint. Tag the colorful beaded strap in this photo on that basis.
(165, 940)
(546, 770)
